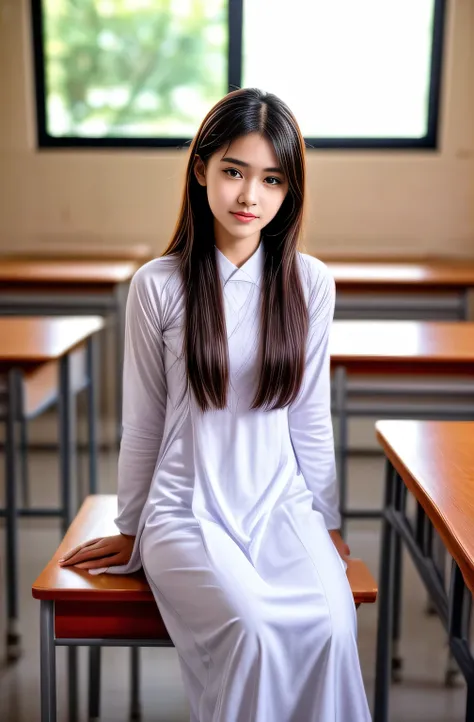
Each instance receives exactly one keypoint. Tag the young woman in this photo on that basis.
(227, 489)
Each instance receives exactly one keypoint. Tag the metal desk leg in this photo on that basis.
(121, 294)
(439, 555)
(67, 441)
(435, 549)
(68, 469)
(94, 683)
(135, 711)
(25, 481)
(386, 593)
(426, 542)
(341, 413)
(459, 617)
(48, 662)
(460, 607)
(92, 367)
(72, 679)
(11, 450)
(397, 662)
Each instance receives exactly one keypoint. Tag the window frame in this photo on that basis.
(430, 141)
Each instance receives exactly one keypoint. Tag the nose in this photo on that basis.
(248, 195)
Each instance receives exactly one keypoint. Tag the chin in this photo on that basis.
(242, 230)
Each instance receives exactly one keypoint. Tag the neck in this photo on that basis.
(237, 250)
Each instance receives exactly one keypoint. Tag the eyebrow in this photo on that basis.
(247, 165)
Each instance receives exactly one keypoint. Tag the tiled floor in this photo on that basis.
(420, 698)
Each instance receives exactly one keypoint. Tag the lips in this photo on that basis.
(244, 216)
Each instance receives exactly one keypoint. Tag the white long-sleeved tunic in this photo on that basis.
(231, 509)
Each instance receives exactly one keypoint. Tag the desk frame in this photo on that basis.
(414, 303)
(454, 608)
(48, 644)
(343, 410)
(108, 303)
(49, 613)
(67, 467)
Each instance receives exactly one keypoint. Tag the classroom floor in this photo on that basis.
(421, 697)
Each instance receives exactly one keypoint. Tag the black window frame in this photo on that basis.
(235, 23)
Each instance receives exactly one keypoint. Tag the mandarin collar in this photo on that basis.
(251, 271)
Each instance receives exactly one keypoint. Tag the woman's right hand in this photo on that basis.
(108, 551)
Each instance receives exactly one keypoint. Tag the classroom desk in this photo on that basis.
(398, 369)
(70, 287)
(28, 344)
(403, 290)
(434, 461)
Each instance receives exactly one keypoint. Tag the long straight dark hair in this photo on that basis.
(284, 316)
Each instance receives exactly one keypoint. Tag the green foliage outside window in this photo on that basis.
(136, 68)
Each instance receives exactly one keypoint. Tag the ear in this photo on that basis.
(200, 171)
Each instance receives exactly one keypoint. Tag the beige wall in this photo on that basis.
(361, 203)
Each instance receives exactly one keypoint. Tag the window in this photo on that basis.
(362, 74)
(128, 69)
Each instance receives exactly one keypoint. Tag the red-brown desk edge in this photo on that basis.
(398, 347)
(37, 273)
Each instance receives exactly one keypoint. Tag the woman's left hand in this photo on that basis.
(340, 544)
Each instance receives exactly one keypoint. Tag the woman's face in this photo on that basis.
(245, 187)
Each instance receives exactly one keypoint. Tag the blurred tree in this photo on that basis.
(133, 67)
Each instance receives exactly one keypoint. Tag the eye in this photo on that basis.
(274, 181)
(229, 171)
